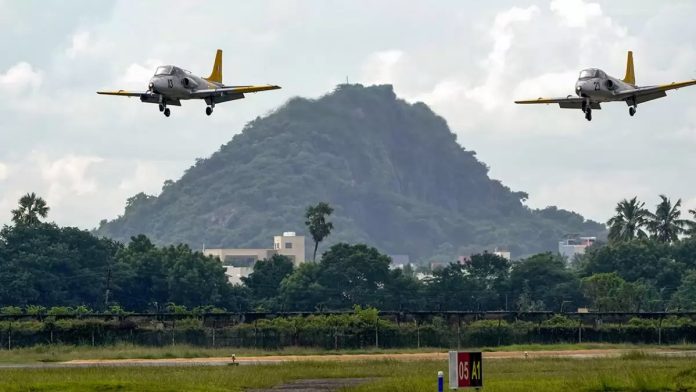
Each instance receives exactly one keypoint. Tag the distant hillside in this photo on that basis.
(394, 172)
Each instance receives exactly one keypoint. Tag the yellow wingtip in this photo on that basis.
(216, 74)
(630, 77)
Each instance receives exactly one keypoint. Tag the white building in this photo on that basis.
(239, 263)
(504, 254)
(574, 245)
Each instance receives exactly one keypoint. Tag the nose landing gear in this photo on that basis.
(587, 109)
(164, 109)
(588, 114)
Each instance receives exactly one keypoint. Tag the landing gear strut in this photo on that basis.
(632, 110)
(164, 109)
(588, 114)
(211, 106)
(587, 109)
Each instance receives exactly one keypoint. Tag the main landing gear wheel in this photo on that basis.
(161, 108)
(632, 110)
(208, 110)
(588, 114)
(167, 112)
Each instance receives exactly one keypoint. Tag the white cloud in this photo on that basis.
(594, 195)
(488, 94)
(545, 85)
(80, 43)
(147, 178)
(576, 13)
(448, 90)
(67, 175)
(380, 67)
(4, 171)
(469, 61)
(20, 77)
(139, 74)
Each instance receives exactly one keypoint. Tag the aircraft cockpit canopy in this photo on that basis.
(589, 73)
(164, 70)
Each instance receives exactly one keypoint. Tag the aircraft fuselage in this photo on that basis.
(177, 83)
(597, 86)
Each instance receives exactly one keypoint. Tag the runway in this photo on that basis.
(278, 359)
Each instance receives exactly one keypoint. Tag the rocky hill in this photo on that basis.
(394, 172)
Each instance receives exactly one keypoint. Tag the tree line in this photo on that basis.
(359, 329)
(648, 263)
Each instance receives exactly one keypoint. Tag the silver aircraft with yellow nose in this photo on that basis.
(594, 86)
(171, 84)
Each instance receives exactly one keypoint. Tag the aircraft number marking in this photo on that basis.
(170, 83)
(596, 86)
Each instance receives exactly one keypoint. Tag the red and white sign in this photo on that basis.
(465, 370)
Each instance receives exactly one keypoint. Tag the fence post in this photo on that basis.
(659, 332)
(418, 333)
(336, 338)
(499, 321)
(459, 335)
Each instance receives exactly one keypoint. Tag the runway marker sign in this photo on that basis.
(465, 370)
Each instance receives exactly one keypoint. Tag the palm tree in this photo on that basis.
(31, 209)
(691, 225)
(317, 224)
(664, 224)
(630, 219)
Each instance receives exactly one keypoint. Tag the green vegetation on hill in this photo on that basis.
(393, 171)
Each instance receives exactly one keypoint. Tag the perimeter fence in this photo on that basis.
(356, 330)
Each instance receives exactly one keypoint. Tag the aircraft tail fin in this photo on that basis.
(216, 75)
(630, 77)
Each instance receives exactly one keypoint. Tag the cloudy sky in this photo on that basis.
(468, 60)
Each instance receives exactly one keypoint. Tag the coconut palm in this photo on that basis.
(664, 224)
(691, 225)
(31, 209)
(630, 220)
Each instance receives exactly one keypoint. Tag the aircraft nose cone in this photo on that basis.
(578, 89)
(155, 85)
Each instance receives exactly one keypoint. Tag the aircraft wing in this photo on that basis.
(123, 93)
(648, 93)
(569, 102)
(232, 90)
(676, 85)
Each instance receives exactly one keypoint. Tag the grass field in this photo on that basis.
(634, 372)
(60, 353)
